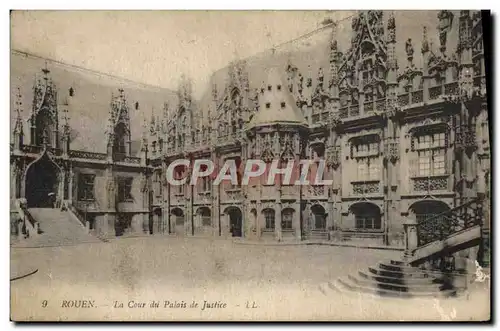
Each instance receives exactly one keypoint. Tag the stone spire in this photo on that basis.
(392, 65)
(18, 127)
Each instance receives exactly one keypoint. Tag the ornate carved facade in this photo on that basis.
(401, 137)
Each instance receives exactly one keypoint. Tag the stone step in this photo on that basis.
(57, 229)
(347, 283)
(398, 268)
(397, 274)
(396, 287)
(395, 262)
(396, 280)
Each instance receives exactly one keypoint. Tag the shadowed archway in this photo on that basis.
(235, 221)
(42, 183)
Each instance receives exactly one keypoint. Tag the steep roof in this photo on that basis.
(276, 104)
(89, 107)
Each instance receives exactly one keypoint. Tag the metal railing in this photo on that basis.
(449, 222)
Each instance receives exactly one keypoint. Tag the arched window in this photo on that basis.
(367, 216)
(119, 147)
(269, 217)
(287, 219)
(178, 215)
(206, 218)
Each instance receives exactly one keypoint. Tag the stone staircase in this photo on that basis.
(396, 279)
(56, 228)
(435, 238)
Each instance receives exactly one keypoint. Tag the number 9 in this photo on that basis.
(44, 303)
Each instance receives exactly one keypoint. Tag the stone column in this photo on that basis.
(14, 179)
(296, 222)
(145, 223)
(411, 236)
(277, 222)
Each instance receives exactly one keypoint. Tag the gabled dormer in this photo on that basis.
(119, 137)
(44, 116)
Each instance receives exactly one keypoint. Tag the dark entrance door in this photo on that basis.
(235, 222)
(42, 183)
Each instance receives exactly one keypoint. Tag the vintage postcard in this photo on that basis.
(249, 166)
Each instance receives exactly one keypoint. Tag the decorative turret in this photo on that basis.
(118, 128)
(66, 131)
(334, 64)
(466, 66)
(144, 143)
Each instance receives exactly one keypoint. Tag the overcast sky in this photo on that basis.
(156, 47)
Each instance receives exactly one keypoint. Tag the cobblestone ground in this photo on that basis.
(282, 282)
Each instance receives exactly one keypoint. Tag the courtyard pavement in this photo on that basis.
(254, 282)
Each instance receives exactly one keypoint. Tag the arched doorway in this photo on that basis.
(235, 221)
(367, 216)
(42, 183)
(319, 217)
(177, 215)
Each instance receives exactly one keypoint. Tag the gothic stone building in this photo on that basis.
(403, 137)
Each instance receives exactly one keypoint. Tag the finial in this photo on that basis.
(153, 122)
(425, 42)
(45, 70)
(391, 28)
(19, 103)
(19, 122)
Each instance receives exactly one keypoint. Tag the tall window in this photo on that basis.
(365, 151)
(119, 147)
(430, 153)
(86, 187)
(287, 219)
(269, 218)
(125, 189)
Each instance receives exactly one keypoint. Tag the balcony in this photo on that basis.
(234, 194)
(430, 183)
(365, 187)
(317, 191)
